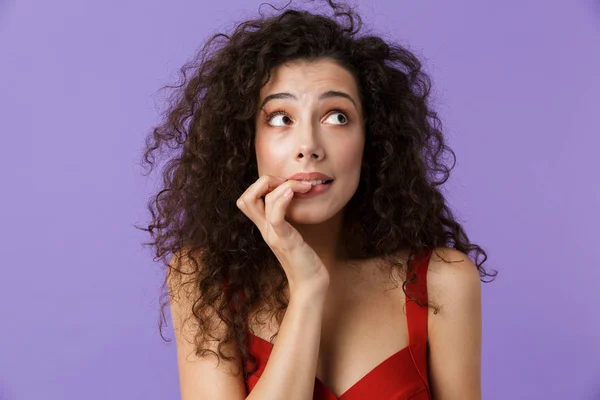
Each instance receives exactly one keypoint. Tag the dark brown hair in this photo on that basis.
(210, 124)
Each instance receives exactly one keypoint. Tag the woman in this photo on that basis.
(303, 205)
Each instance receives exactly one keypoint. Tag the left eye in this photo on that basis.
(338, 117)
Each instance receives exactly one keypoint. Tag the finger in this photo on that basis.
(276, 203)
(251, 202)
(296, 186)
(276, 214)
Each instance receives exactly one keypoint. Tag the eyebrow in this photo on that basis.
(325, 95)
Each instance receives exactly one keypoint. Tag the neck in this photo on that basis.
(325, 240)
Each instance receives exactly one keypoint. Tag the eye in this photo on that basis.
(284, 117)
(336, 117)
(339, 117)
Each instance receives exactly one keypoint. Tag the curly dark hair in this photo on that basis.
(210, 122)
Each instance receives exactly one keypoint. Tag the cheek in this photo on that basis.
(351, 158)
(269, 158)
(262, 151)
(261, 156)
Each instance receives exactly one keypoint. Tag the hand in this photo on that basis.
(302, 266)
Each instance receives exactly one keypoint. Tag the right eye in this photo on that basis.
(283, 117)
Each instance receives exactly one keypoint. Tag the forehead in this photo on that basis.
(303, 76)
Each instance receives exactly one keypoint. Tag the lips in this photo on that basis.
(310, 176)
(316, 190)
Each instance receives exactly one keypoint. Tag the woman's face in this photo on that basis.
(314, 124)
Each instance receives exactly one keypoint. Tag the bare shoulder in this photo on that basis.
(454, 286)
(452, 276)
(203, 377)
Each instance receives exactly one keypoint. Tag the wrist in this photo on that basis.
(311, 292)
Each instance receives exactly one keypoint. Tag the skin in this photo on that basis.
(315, 137)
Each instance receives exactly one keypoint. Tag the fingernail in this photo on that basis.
(281, 179)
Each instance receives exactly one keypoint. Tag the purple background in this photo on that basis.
(516, 84)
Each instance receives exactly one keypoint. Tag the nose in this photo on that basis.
(309, 145)
(301, 155)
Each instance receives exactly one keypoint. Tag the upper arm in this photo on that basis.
(455, 332)
(201, 378)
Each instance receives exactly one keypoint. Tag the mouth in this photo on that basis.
(318, 188)
(318, 182)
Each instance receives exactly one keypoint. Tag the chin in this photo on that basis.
(305, 213)
(307, 216)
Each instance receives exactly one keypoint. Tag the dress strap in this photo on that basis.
(417, 315)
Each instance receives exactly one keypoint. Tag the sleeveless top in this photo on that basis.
(402, 376)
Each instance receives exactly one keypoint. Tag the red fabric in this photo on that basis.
(402, 376)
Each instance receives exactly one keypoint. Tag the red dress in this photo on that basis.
(402, 376)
